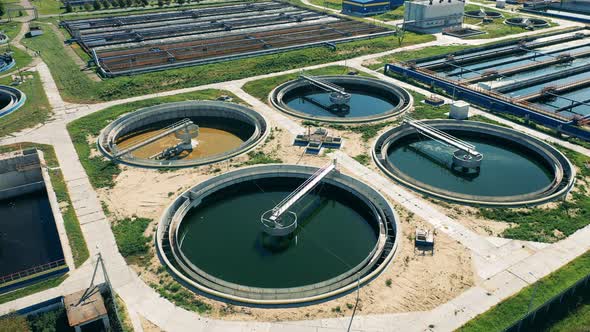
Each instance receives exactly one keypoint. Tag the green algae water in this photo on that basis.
(505, 170)
(223, 237)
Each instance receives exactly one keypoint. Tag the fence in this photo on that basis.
(555, 308)
(34, 270)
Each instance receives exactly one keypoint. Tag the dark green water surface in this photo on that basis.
(363, 102)
(222, 236)
(506, 170)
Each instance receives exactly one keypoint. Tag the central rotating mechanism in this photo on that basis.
(466, 158)
(279, 221)
(339, 98)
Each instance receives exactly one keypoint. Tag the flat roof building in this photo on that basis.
(434, 15)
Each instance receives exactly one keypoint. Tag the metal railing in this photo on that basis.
(31, 271)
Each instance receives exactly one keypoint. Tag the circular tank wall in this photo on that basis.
(6, 62)
(370, 100)
(527, 21)
(515, 170)
(483, 14)
(346, 231)
(11, 99)
(224, 130)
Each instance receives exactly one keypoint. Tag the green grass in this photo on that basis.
(48, 7)
(510, 310)
(332, 4)
(132, 244)
(35, 110)
(180, 296)
(38, 287)
(363, 158)
(76, 86)
(71, 223)
(101, 171)
(547, 224)
(11, 29)
(21, 58)
(392, 15)
(261, 88)
(495, 29)
(259, 157)
(578, 320)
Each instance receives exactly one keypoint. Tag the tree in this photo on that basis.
(69, 8)
(106, 4)
(400, 33)
(87, 6)
(2, 9)
(129, 3)
(96, 5)
(160, 3)
(122, 3)
(180, 2)
(144, 3)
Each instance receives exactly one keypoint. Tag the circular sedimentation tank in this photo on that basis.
(3, 38)
(225, 130)
(11, 99)
(516, 169)
(370, 100)
(489, 14)
(6, 62)
(212, 237)
(527, 22)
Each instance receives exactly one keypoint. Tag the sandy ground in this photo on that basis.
(406, 285)
(148, 326)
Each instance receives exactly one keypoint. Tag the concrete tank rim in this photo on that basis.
(261, 125)
(392, 88)
(162, 226)
(22, 97)
(518, 21)
(474, 14)
(486, 201)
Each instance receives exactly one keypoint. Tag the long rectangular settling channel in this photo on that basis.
(30, 243)
(124, 45)
(547, 78)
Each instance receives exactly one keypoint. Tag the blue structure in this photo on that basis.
(369, 7)
(489, 102)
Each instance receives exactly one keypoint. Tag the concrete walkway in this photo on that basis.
(504, 266)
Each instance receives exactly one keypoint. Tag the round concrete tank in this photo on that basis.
(223, 214)
(364, 99)
(514, 169)
(11, 99)
(182, 134)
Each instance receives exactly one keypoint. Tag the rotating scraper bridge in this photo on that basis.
(124, 45)
(280, 221)
(466, 157)
(181, 115)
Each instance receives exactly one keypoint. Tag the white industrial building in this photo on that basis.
(433, 15)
